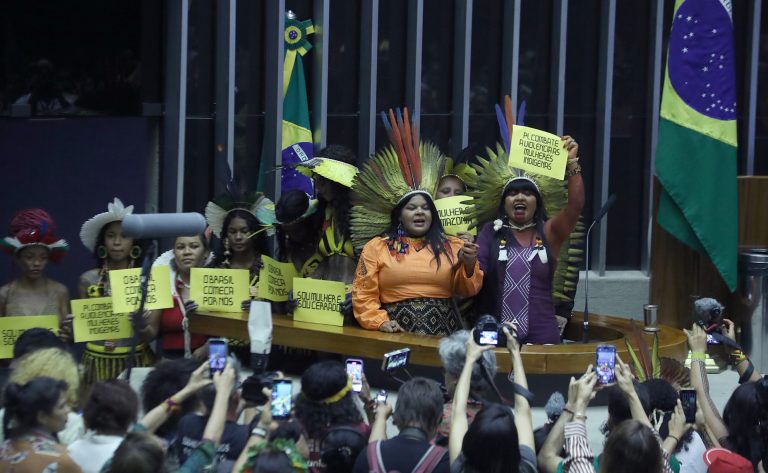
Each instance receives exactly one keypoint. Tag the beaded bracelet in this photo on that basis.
(737, 357)
(698, 356)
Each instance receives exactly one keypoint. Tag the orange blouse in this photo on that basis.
(380, 278)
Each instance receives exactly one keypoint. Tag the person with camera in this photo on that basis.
(486, 444)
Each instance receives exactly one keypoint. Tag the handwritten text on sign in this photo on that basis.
(318, 301)
(455, 215)
(221, 290)
(12, 327)
(126, 289)
(95, 320)
(538, 152)
(275, 279)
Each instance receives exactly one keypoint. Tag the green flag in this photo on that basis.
(696, 152)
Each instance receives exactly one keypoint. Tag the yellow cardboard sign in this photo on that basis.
(219, 290)
(126, 293)
(455, 215)
(12, 327)
(275, 279)
(95, 320)
(318, 301)
(538, 152)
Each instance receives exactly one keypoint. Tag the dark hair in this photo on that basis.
(340, 447)
(111, 408)
(139, 452)
(632, 448)
(290, 430)
(419, 401)
(271, 461)
(259, 241)
(744, 416)
(201, 236)
(487, 300)
(663, 397)
(34, 339)
(320, 381)
(165, 380)
(618, 406)
(491, 443)
(291, 206)
(435, 234)
(142, 244)
(23, 403)
(341, 204)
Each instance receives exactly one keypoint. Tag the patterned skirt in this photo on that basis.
(100, 364)
(427, 316)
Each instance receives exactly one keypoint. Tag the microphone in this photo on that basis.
(603, 210)
(163, 225)
(260, 333)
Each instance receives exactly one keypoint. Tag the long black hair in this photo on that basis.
(142, 244)
(291, 206)
(493, 426)
(321, 381)
(745, 416)
(435, 235)
(342, 203)
(487, 300)
(23, 402)
(259, 241)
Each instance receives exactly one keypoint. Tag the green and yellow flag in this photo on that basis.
(696, 152)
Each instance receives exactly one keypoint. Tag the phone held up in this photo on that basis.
(395, 360)
(605, 364)
(355, 371)
(381, 397)
(218, 350)
(688, 400)
(282, 396)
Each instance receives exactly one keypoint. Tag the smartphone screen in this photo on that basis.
(282, 394)
(396, 359)
(355, 371)
(688, 400)
(217, 354)
(605, 364)
(489, 337)
(381, 396)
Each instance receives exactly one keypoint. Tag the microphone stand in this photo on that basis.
(585, 329)
(137, 317)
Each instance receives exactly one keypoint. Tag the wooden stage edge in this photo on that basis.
(570, 358)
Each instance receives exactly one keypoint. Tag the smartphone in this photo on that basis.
(688, 400)
(355, 371)
(396, 359)
(218, 350)
(605, 364)
(381, 397)
(282, 395)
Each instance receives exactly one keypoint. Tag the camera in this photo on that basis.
(253, 386)
(489, 332)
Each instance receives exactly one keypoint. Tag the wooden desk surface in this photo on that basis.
(570, 358)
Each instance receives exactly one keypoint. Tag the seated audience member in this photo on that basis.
(417, 414)
(167, 378)
(326, 401)
(60, 365)
(497, 440)
(632, 446)
(192, 426)
(143, 452)
(110, 410)
(340, 448)
(35, 412)
(453, 351)
(743, 427)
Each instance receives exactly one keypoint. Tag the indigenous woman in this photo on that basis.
(333, 171)
(32, 243)
(458, 176)
(410, 269)
(519, 249)
(103, 235)
(171, 326)
(298, 227)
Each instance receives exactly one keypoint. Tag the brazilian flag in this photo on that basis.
(696, 152)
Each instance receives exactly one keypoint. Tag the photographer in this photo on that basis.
(486, 445)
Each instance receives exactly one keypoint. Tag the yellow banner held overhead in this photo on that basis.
(126, 289)
(219, 290)
(538, 152)
(455, 214)
(318, 301)
(275, 279)
(13, 326)
(94, 320)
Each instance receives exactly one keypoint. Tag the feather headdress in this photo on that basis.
(254, 203)
(32, 227)
(331, 169)
(404, 167)
(495, 173)
(460, 168)
(116, 212)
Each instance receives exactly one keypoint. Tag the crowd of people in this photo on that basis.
(376, 229)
